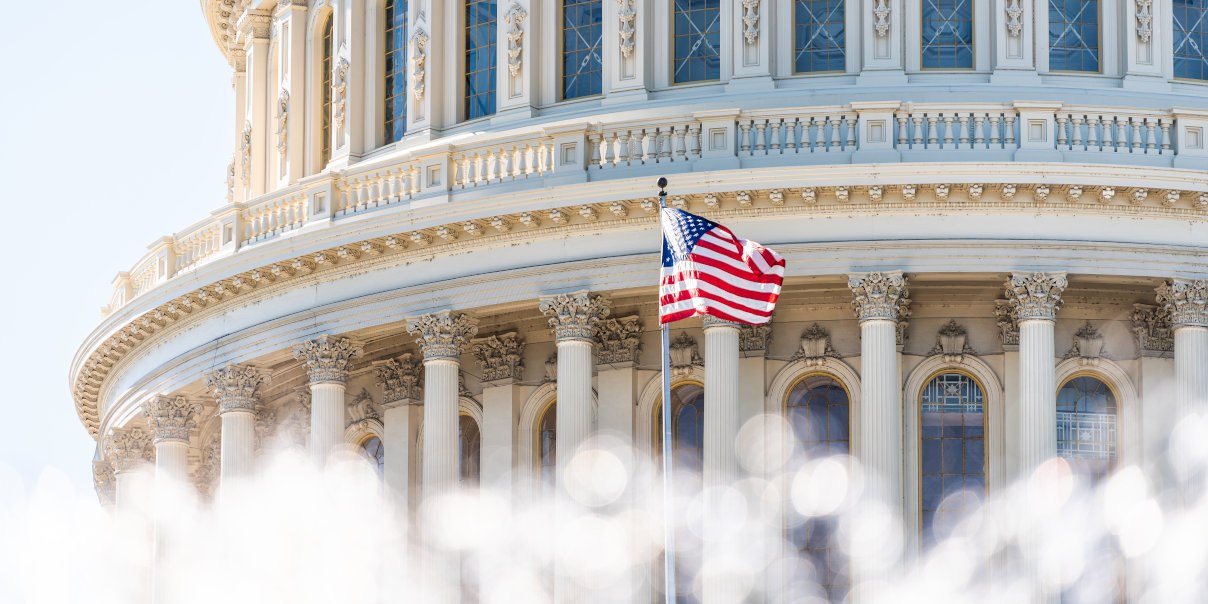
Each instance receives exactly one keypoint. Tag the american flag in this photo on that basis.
(709, 271)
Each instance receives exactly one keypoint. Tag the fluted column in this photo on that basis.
(130, 450)
(327, 360)
(1187, 303)
(1035, 299)
(235, 389)
(573, 318)
(720, 460)
(171, 419)
(879, 300)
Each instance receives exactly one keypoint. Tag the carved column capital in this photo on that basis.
(1035, 295)
(256, 24)
(709, 322)
(620, 341)
(879, 295)
(234, 387)
(399, 380)
(127, 448)
(1008, 328)
(574, 316)
(327, 358)
(442, 335)
(753, 339)
(171, 417)
(501, 357)
(1152, 330)
(1186, 300)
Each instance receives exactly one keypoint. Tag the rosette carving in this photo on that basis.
(327, 358)
(442, 335)
(234, 387)
(1186, 301)
(879, 295)
(171, 417)
(1036, 295)
(574, 316)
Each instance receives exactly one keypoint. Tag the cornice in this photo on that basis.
(131, 328)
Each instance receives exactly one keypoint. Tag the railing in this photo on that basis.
(1086, 434)
(614, 149)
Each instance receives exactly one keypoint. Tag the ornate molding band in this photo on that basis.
(327, 358)
(234, 387)
(879, 295)
(574, 316)
(171, 417)
(442, 335)
(1186, 301)
(1035, 295)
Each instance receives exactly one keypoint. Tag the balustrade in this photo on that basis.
(796, 133)
(950, 128)
(650, 143)
(1098, 130)
(502, 162)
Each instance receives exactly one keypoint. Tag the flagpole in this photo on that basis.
(668, 484)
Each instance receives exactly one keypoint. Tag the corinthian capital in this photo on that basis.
(879, 295)
(234, 387)
(126, 448)
(574, 316)
(171, 417)
(1035, 295)
(500, 357)
(620, 341)
(255, 23)
(1186, 300)
(399, 380)
(442, 335)
(327, 358)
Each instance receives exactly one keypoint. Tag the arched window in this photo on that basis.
(687, 427)
(396, 70)
(819, 36)
(469, 440)
(325, 106)
(1191, 39)
(947, 34)
(1074, 35)
(696, 42)
(479, 65)
(818, 409)
(1086, 426)
(546, 449)
(582, 32)
(375, 452)
(953, 469)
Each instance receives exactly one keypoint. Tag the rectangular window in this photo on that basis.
(1191, 39)
(947, 34)
(819, 42)
(480, 58)
(582, 31)
(396, 70)
(696, 41)
(1074, 35)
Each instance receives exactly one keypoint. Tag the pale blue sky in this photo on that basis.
(115, 129)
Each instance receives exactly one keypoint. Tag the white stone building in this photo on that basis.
(1010, 195)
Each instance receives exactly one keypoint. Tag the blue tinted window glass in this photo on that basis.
(582, 31)
(480, 58)
(953, 468)
(819, 36)
(1191, 39)
(1074, 35)
(947, 34)
(1086, 426)
(396, 70)
(697, 41)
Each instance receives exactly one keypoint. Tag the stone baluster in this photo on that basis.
(327, 359)
(235, 389)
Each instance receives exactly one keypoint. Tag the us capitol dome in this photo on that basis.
(440, 244)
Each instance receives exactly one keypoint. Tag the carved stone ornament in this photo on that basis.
(627, 17)
(442, 335)
(1186, 301)
(265, 423)
(104, 481)
(879, 295)
(953, 343)
(515, 19)
(815, 346)
(501, 357)
(283, 121)
(419, 62)
(880, 13)
(1014, 18)
(1144, 20)
(684, 355)
(234, 387)
(750, 21)
(551, 368)
(128, 448)
(230, 181)
(296, 427)
(339, 92)
(327, 358)
(620, 340)
(1088, 345)
(1152, 330)
(362, 409)
(754, 339)
(171, 417)
(574, 316)
(245, 153)
(207, 472)
(463, 390)
(400, 379)
(1036, 295)
(1008, 327)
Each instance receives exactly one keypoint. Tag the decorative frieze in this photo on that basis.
(171, 417)
(515, 19)
(952, 342)
(1186, 301)
(574, 316)
(104, 481)
(400, 379)
(879, 295)
(684, 354)
(1152, 330)
(442, 335)
(1036, 295)
(234, 387)
(1087, 346)
(815, 346)
(127, 448)
(327, 358)
(620, 341)
(500, 357)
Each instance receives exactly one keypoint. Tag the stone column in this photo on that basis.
(441, 337)
(254, 140)
(235, 390)
(720, 460)
(1187, 303)
(573, 318)
(327, 360)
(1035, 299)
(879, 300)
(130, 450)
(171, 419)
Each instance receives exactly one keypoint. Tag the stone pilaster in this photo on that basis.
(235, 388)
(574, 318)
(327, 359)
(254, 26)
(402, 410)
